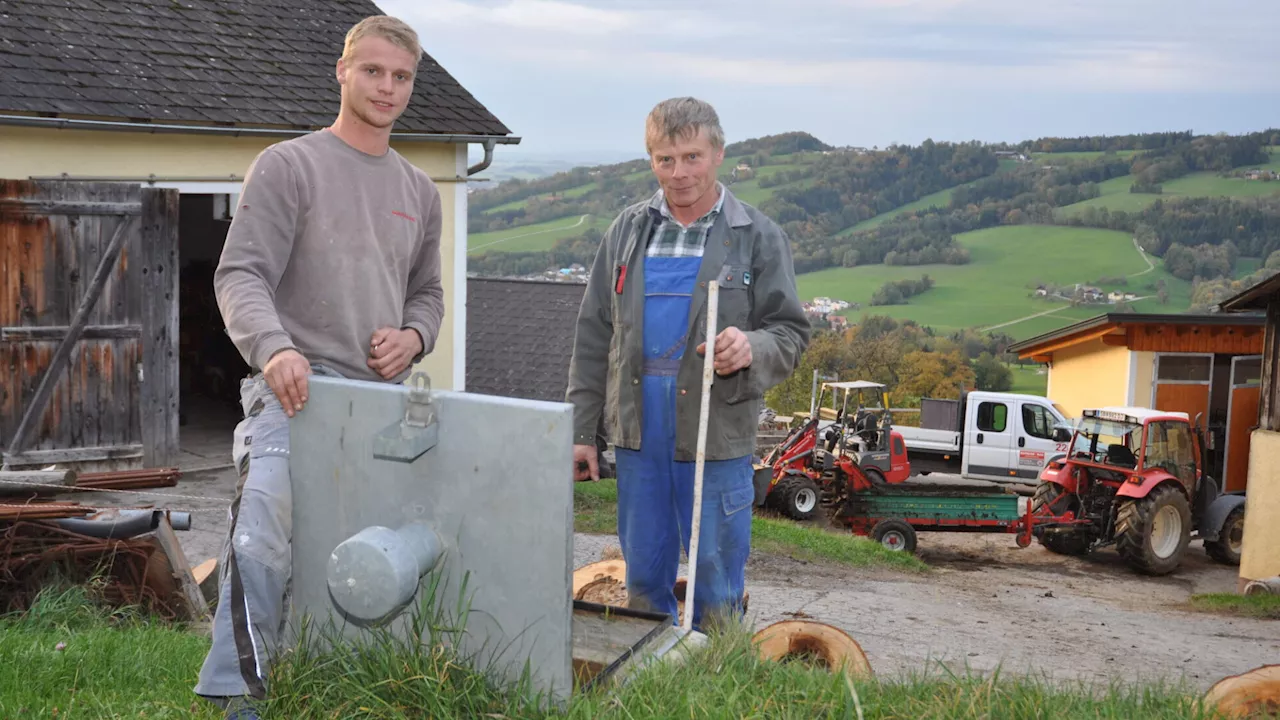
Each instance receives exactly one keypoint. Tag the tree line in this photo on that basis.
(912, 360)
(897, 292)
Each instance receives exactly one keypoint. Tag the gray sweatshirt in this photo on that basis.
(327, 245)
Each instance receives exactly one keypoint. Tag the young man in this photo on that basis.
(645, 305)
(331, 265)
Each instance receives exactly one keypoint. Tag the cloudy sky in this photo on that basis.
(576, 77)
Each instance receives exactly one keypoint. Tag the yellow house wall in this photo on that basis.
(1260, 554)
(1089, 375)
(1144, 377)
(39, 152)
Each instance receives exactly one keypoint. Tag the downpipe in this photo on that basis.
(113, 524)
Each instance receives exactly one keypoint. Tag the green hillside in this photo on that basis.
(997, 287)
(541, 236)
(1008, 202)
(1115, 193)
(938, 199)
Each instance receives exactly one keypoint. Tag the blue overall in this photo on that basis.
(655, 492)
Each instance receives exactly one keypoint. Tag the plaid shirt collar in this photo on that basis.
(670, 238)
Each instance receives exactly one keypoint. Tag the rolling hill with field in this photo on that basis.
(987, 242)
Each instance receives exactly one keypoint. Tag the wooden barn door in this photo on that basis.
(1242, 417)
(88, 325)
(1183, 384)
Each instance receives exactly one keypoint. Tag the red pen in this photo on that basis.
(622, 278)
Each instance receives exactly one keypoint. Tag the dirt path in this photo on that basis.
(989, 605)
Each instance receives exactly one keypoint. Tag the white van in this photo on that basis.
(1001, 437)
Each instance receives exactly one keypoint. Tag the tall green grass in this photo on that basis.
(70, 657)
(123, 666)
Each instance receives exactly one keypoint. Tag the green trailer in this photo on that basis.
(892, 515)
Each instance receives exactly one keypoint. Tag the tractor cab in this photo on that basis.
(859, 416)
(1126, 444)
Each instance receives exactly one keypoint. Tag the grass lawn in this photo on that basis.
(541, 236)
(68, 659)
(595, 511)
(1028, 380)
(142, 670)
(996, 287)
(1253, 606)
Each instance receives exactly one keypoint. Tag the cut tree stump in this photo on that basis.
(605, 582)
(813, 643)
(1255, 694)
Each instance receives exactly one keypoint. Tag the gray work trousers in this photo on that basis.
(254, 566)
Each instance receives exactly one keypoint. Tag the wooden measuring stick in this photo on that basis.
(700, 460)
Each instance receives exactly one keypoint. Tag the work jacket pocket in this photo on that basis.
(735, 299)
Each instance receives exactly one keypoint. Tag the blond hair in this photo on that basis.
(682, 117)
(393, 30)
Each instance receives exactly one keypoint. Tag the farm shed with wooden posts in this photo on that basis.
(1207, 366)
(1260, 558)
(125, 131)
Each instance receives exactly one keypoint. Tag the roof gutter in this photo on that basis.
(79, 124)
(488, 158)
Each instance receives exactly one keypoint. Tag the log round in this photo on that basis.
(1255, 694)
(604, 582)
(813, 643)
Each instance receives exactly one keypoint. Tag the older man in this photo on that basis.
(644, 307)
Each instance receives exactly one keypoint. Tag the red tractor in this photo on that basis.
(1132, 477)
(834, 451)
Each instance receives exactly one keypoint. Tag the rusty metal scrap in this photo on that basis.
(112, 480)
(129, 479)
(42, 510)
(129, 574)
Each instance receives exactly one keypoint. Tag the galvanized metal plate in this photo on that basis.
(497, 490)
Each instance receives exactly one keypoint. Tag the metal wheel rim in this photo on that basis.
(894, 540)
(1166, 532)
(1235, 536)
(806, 500)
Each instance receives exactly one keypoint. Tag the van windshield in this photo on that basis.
(1107, 442)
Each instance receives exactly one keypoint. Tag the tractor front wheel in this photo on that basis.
(1070, 540)
(1152, 533)
(1226, 549)
(798, 497)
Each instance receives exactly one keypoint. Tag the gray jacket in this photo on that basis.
(751, 257)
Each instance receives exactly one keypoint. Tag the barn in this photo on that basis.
(125, 132)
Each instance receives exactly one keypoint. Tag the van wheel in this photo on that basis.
(1226, 549)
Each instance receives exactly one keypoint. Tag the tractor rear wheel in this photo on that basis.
(797, 497)
(1226, 549)
(1062, 540)
(1152, 533)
